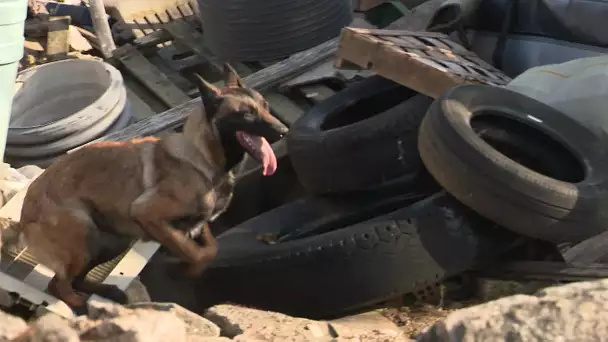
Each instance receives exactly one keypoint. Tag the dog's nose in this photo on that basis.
(282, 129)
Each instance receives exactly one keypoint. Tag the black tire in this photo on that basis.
(561, 202)
(332, 155)
(326, 274)
(271, 29)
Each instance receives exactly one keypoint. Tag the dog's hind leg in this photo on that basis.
(60, 243)
(107, 247)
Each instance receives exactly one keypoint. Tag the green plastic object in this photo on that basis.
(12, 20)
(382, 15)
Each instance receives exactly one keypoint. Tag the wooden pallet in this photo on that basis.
(160, 59)
(427, 62)
(138, 18)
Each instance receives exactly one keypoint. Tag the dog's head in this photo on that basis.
(242, 119)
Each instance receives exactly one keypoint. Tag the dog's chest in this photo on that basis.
(215, 201)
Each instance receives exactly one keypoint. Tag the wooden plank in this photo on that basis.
(283, 108)
(152, 39)
(58, 37)
(412, 68)
(397, 33)
(388, 61)
(261, 80)
(316, 92)
(151, 77)
(591, 250)
(544, 270)
(184, 34)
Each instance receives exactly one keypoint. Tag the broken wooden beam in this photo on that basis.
(150, 76)
(261, 80)
(544, 270)
(102, 27)
(427, 62)
(58, 37)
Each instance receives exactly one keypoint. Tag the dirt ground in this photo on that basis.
(413, 319)
(416, 316)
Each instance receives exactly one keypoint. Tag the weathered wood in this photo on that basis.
(148, 74)
(263, 79)
(283, 107)
(102, 27)
(186, 35)
(405, 57)
(364, 5)
(58, 37)
(591, 250)
(545, 270)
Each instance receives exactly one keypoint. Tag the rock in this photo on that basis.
(137, 292)
(12, 180)
(117, 323)
(30, 172)
(11, 327)
(110, 322)
(491, 289)
(197, 327)
(369, 326)
(52, 328)
(257, 325)
(139, 326)
(251, 325)
(574, 312)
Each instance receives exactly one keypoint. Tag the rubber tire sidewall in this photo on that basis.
(502, 190)
(359, 265)
(361, 155)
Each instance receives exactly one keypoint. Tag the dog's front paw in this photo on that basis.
(194, 270)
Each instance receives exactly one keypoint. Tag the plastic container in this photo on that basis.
(578, 88)
(61, 105)
(12, 20)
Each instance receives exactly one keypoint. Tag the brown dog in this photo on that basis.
(88, 206)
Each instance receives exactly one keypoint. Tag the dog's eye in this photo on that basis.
(249, 116)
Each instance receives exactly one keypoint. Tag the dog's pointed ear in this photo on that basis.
(232, 79)
(206, 89)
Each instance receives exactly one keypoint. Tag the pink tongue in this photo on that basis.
(260, 150)
(269, 160)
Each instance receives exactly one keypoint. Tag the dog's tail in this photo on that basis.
(10, 234)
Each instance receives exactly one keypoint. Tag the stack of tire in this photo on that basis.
(518, 162)
(375, 225)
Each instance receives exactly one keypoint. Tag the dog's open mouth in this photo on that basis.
(259, 148)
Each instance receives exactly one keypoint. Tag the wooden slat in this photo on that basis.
(545, 270)
(397, 33)
(261, 80)
(283, 107)
(151, 76)
(368, 53)
(588, 251)
(184, 34)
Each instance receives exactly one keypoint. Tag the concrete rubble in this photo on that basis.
(573, 312)
(151, 322)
